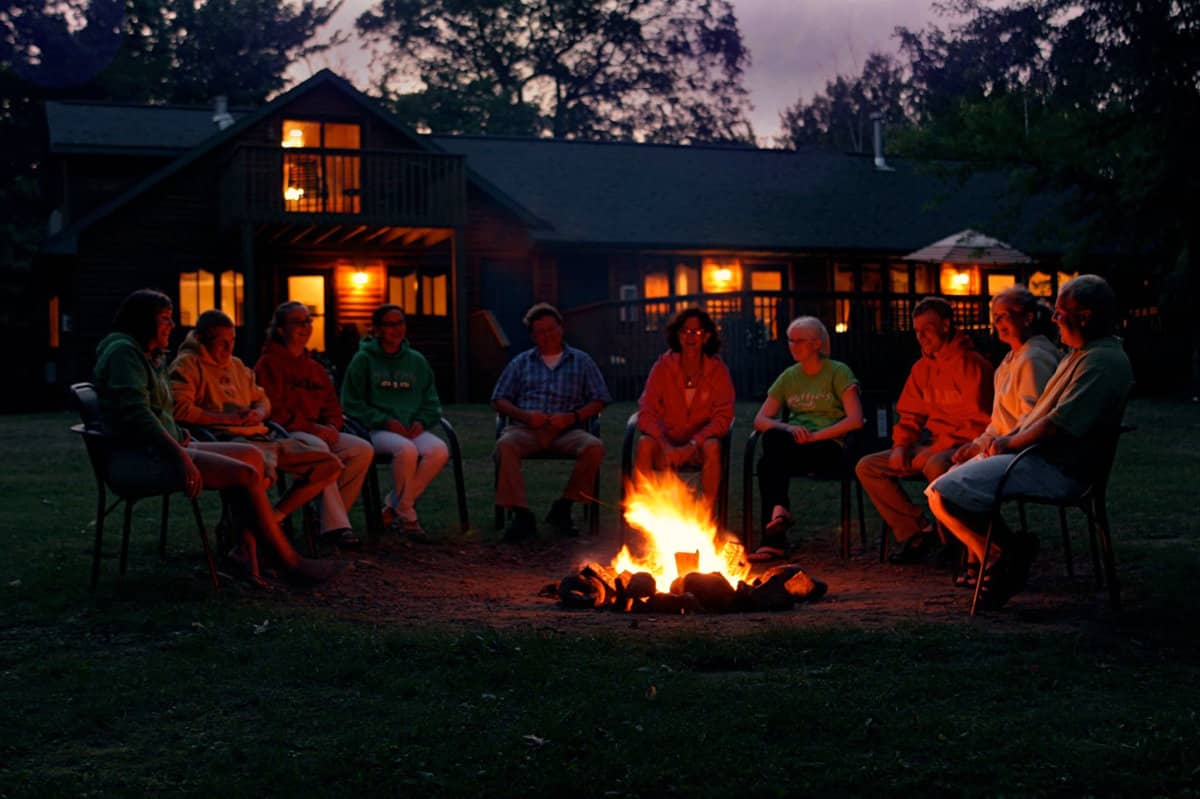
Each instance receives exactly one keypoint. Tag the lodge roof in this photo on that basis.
(80, 127)
(613, 194)
(623, 194)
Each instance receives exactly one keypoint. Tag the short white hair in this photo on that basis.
(814, 324)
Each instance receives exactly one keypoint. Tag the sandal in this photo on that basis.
(967, 577)
(766, 554)
(343, 537)
(777, 526)
(415, 532)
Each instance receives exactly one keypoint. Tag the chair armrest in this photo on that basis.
(627, 445)
(355, 428)
(998, 497)
(451, 436)
(277, 430)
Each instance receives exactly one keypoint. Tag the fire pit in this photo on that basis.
(684, 564)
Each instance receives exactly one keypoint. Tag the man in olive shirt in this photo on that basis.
(1085, 397)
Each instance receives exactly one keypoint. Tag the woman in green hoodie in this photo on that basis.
(390, 389)
(136, 403)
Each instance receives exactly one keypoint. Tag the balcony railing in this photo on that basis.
(374, 187)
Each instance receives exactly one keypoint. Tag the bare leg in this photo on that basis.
(959, 527)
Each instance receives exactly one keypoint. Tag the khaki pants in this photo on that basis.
(882, 484)
(519, 442)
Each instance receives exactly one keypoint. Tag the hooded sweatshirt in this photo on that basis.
(200, 383)
(1020, 378)
(663, 410)
(949, 393)
(301, 393)
(135, 398)
(379, 387)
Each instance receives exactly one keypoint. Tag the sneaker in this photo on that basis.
(521, 526)
(560, 519)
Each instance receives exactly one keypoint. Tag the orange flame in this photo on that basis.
(673, 519)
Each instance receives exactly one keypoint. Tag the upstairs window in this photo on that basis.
(322, 167)
(202, 291)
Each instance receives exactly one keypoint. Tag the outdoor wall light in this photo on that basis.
(360, 279)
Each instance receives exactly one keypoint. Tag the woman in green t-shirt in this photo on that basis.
(809, 409)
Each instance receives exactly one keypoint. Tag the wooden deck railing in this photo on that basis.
(374, 187)
(625, 337)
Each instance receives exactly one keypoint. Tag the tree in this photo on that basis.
(658, 70)
(840, 117)
(1099, 101)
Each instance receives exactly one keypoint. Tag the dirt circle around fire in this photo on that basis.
(469, 584)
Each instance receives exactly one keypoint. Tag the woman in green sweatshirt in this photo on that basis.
(389, 387)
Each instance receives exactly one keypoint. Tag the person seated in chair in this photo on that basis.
(305, 403)
(687, 404)
(1083, 399)
(136, 405)
(946, 402)
(808, 411)
(547, 393)
(212, 388)
(1022, 322)
(390, 388)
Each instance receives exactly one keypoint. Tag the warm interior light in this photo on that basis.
(360, 279)
(293, 193)
(723, 275)
(961, 280)
(841, 327)
(294, 138)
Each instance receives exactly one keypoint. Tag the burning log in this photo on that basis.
(798, 583)
(712, 591)
(672, 603)
(578, 591)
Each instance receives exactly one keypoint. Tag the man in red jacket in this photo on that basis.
(946, 402)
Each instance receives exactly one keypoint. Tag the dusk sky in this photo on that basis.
(796, 46)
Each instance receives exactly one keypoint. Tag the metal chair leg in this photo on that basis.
(125, 534)
(1110, 565)
(1096, 550)
(987, 550)
(1066, 536)
(208, 553)
(162, 530)
(845, 512)
(96, 550)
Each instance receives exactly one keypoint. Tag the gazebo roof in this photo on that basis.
(969, 247)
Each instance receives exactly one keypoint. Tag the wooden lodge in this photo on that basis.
(324, 196)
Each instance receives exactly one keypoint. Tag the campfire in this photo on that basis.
(683, 563)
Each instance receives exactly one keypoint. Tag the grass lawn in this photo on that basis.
(157, 685)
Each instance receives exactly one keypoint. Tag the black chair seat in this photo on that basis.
(100, 448)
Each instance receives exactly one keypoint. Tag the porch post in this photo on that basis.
(251, 330)
(460, 317)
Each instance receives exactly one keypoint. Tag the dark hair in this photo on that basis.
(538, 311)
(382, 311)
(936, 304)
(209, 321)
(279, 320)
(1025, 301)
(711, 347)
(137, 316)
(1093, 293)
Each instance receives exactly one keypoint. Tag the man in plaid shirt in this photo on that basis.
(548, 393)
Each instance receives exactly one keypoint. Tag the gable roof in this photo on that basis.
(66, 241)
(665, 196)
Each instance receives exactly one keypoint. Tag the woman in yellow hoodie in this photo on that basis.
(214, 389)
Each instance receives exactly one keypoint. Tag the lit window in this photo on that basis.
(721, 276)
(231, 295)
(959, 280)
(898, 279)
(197, 294)
(766, 309)
(433, 295)
(402, 291)
(656, 284)
(1063, 277)
(1041, 284)
(687, 280)
(318, 175)
(310, 290)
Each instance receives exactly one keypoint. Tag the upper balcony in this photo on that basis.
(344, 186)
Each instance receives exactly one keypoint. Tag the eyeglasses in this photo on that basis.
(401, 323)
(692, 331)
